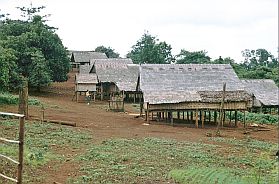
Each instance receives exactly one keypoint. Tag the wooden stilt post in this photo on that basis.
(187, 115)
(147, 113)
(215, 116)
(197, 118)
(102, 92)
(224, 118)
(166, 114)
(203, 118)
(183, 115)
(221, 111)
(230, 122)
(235, 118)
(244, 119)
(209, 116)
(192, 118)
(178, 114)
(171, 118)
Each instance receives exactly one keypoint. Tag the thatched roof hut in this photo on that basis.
(122, 72)
(84, 82)
(191, 86)
(265, 92)
(84, 57)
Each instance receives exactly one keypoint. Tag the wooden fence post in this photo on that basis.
(20, 156)
(23, 99)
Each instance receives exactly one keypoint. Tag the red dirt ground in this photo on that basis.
(105, 124)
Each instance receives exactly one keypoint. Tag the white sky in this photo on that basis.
(221, 27)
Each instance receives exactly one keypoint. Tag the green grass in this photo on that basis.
(153, 160)
(142, 160)
(207, 175)
(43, 143)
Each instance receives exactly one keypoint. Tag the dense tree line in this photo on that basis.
(30, 48)
(257, 64)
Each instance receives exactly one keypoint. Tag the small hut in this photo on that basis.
(196, 89)
(84, 82)
(116, 75)
(265, 94)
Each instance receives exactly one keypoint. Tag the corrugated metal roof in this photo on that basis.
(265, 90)
(174, 83)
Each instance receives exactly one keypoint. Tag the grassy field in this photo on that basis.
(142, 160)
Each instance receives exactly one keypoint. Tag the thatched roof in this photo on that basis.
(86, 79)
(119, 71)
(86, 56)
(175, 83)
(265, 90)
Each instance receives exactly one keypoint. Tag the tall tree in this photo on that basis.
(196, 57)
(33, 41)
(39, 75)
(148, 49)
(110, 53)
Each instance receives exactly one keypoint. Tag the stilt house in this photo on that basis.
(116, 75)
(169, 88)
(79, 58)
(84, 82)
(265, 93)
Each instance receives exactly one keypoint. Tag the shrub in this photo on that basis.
(9, 99)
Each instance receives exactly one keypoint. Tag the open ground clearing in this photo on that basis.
(109, 147)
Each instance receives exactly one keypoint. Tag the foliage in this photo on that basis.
(256, 117)
(110, 53)
(196, 57)
(7, 64)
(259, 64)
(9, 99)
(40, 75)
(148, 49)
(31, 48)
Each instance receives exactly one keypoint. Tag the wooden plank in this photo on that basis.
(9, 141)
(10, 159)
(8, 178)
(11, 114)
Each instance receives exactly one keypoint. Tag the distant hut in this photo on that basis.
(84, 82)
(195, 89)
(79, 58)
(116, 75)
(265, 94)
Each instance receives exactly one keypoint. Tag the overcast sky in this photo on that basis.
(221, 27)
